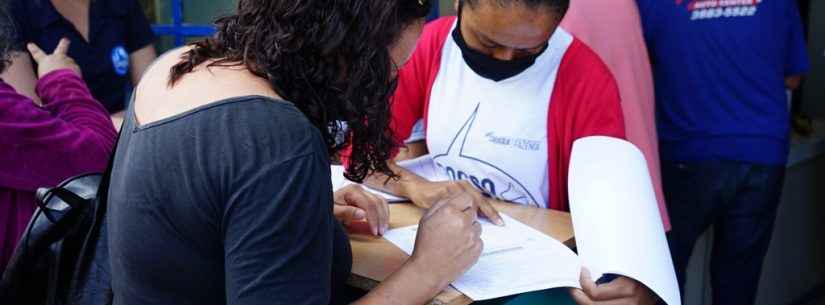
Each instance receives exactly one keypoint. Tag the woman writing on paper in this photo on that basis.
(503, 92)
(221, 192)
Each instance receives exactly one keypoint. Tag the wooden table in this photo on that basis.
(375, 258)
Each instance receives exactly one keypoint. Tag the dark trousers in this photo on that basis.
(740, 201)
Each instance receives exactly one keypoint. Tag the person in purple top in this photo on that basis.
(41, 145)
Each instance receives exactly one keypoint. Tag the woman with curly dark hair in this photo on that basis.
(41, 145)
(221, 191)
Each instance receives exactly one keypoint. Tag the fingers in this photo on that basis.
(619, 288)
(486, 208)
(478, 244)
(438, 206)
(346, 214)
(36, 52)
(586, 281)
(468, 209)
(458, 206)
(580, 297)
(461, 202)
(485, 205)
(376, 207)
(622, 287)
(384, 210)
(356, 196)
(62, 47)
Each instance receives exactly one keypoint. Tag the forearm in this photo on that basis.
(71, 135)
(412, 151)
(410, 285)
(404, 185)
(140, 60)
(68, 98)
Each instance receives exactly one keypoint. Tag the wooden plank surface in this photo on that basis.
(375, 258)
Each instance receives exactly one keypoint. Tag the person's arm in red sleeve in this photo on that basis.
(594, 94)
(586, 102)
(595, 110)
(407, 104)
(410, 104)
(602, 115)
(70, 135)
(415, 79)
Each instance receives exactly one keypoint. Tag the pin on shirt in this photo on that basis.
(120, 60)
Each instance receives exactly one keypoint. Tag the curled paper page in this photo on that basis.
(616, 217)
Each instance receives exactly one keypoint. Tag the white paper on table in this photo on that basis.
(616, 217)
(422, 166)
(425, 167)
(516, 259)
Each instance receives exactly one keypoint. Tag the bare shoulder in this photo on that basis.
(156, 99)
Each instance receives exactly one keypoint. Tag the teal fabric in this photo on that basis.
(558, 296)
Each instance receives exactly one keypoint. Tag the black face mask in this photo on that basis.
(487, 66)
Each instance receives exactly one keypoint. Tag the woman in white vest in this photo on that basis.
(502, 92)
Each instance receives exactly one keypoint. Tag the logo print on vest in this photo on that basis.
(459, 166)
(120, 60)
(716, 9)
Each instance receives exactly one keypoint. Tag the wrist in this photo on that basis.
(47, 83)
(428, 279)
(411, 188)
(59, 73)
(412, 284)
(406, 187)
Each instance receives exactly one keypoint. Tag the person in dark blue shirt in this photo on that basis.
(111, 40)
(721, 71)
(220, 190)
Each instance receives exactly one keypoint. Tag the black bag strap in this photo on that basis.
(69, 197)
(92, 237)
(103, 189)
(21, 272)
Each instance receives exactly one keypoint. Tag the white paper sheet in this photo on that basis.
(422, 166)
(616, 217)
(516, 259)
(338, 182)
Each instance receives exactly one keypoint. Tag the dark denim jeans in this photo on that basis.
(740, 201)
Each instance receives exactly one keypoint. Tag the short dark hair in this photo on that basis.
(559, 6)
(330, 58)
